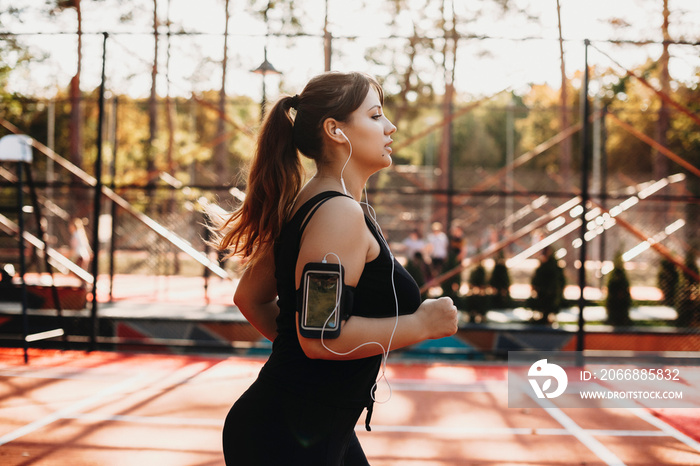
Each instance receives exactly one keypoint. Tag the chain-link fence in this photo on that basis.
(501, 174)
(497, 270)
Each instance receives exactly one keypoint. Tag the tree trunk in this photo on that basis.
(153, 106)
(220, 150)
(76, 118)
(445, 155)
(327, 42)
(661, 165)
(565, 163)
(169, 111)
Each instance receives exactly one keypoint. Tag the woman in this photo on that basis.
(308, 397)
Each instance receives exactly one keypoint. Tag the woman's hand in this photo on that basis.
(438, 317)
(364, 336)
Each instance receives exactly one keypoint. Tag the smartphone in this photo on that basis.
(321, 309)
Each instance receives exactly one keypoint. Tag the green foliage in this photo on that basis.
(14, 55)
(618, 300)
(541, 123)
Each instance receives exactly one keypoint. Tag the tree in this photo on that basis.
(563, 111)
(499, 281)
(76, 125)
(548, 284)
(539, 124)
(478, 137)
(624, 97)
(667, 281)
(13, 54)
(169, 111)
(220, 150)
(661, 125)
(153, 105)
(661, 163)
(477, 300)
(415, 62)
(618, 300)
(683, 140)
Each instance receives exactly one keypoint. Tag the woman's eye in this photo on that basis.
(377, 117)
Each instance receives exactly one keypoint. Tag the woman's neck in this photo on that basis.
(345, 185)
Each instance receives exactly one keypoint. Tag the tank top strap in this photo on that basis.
(310, 207)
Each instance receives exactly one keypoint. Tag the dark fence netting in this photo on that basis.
(512, 266)
(569, 227)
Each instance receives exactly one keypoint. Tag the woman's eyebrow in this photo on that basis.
(374, 106)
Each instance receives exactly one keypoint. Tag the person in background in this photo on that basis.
(413, 243)
(81, 252)
(438, 244)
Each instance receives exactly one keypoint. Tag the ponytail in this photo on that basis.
(274, 181)
(276, 173)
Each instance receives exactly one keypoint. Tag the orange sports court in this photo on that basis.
(556, 143)
(107, 408)
(154, 405)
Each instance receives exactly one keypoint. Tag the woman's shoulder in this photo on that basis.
(309, 200)
(331, 213)
(338, 227)
(341, 210)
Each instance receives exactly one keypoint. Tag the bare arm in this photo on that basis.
(338, 227)
(256, 296)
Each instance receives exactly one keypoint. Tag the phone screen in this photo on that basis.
(321, 300)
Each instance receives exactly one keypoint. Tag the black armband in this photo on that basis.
(323, 300)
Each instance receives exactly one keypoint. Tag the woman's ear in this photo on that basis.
(332, 130)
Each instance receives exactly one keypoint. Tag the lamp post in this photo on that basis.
(264, 69)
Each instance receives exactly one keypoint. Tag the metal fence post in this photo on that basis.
(98, 199)
(585, 158)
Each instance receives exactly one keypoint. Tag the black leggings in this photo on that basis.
(271, 427)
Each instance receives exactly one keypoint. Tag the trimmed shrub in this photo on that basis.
(667, 280)
(500, 284)
(548, 284)
(619, 300)
(688, 295)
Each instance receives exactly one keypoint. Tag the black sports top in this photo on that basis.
(339, 383)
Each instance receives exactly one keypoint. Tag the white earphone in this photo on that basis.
(385, 351)
(342, 181)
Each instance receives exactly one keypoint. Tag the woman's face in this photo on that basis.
(370, 133)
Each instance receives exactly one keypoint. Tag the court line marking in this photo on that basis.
(669, 430)
(581, 434)
(164, 420)
(68, 410)
(186, 373)
(496, 386)
(182, 375)
(60, 375)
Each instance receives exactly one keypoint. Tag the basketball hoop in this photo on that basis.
(16, 148)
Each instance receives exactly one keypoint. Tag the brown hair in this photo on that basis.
(276, 174)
